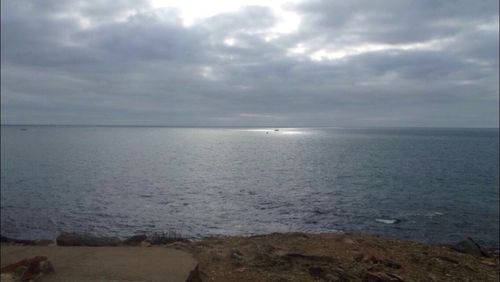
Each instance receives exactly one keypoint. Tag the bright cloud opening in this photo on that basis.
(335, 54)
(192, 11)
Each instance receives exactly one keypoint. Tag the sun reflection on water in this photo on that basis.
(280, 131)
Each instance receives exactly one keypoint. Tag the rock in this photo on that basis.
(380, 277)
(145, 244)
(46, 267)
(469, 246)
(29, 269)
(194, 275)
(334, 278)
(236, 254)
(417, 257)
(488, 263)
(373, 259)
(431, 277)
(163, 238)
(178, 245)
(44, 242)
(20, 270)
(324, 273)
(40, 242)
(298, 256)
(348, 241)
(74, 239)
(216, 257)
(447, 259)
(373, 277)
(25, 262)
(394, 275)
(7, 277)
(359, 257)
(317, 272)
(391, 264)
(4, 239)
(135, 240)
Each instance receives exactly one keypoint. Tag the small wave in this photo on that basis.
(433, 214)
(388, 221)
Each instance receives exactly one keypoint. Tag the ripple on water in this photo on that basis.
(235, 181)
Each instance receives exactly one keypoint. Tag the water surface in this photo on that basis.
(431, 185)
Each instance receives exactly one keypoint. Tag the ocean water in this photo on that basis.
(431, 185)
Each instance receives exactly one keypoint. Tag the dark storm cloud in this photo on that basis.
(389, 63)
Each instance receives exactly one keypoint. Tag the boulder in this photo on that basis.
(194, 275)
(4, 239)
(236, 254)
(75, 239)
(135, 240)
(28, 269)
(469, 246)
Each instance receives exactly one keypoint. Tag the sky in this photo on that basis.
(356, 63)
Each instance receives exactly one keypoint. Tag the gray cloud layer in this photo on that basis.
(361, 63)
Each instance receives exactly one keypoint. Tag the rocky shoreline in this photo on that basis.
(311, 257)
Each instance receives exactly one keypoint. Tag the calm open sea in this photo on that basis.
(432, 185)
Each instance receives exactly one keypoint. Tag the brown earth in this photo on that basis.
(273, 257)
(334, 257)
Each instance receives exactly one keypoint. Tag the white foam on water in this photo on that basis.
(386, 221)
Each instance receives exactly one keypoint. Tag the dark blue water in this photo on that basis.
(440, 184)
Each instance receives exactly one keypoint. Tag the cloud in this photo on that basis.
(356, 63)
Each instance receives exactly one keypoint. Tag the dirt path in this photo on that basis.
(155, 263)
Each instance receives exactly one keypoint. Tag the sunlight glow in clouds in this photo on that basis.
(208, 73)
(243, 62)
(230, 41)
(193, 10)
(333, 54)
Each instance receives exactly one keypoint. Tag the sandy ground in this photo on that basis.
(155, 263)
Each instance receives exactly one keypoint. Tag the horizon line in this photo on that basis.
(253, 126)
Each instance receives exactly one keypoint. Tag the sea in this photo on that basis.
(433, 185)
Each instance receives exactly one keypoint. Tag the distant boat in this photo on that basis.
(24, 129)
(277, 129)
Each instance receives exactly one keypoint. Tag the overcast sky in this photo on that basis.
(264, 63)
